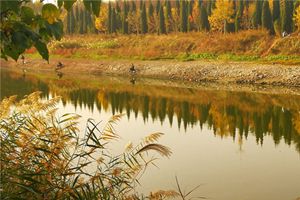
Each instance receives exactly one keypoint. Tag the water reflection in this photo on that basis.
(227, 113)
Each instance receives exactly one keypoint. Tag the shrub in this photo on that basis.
(43, 156)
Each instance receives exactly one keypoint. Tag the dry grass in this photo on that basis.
(44, 157)
(248, 45)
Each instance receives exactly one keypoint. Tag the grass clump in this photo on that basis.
(43, 156)
(234, 57)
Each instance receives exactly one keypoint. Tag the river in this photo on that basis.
(236, 144)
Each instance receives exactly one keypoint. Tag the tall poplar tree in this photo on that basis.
(183, 16)
(144, 23)
(124, 18)
(109, 18)
(118, 16)
(209, 7)
(68, 29)
(177, 5)
(204, 23)
(169, 9)
(267, 21)
(133, 6)
(189, 13)
(72, 22)
(239, 15)
(276, 10)
(151, 10)
(157, 6)
(287, 16)
(257, 14)
(113, 21)
(162, 25)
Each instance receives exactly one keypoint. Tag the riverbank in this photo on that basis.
(193, 71)
(245, 46)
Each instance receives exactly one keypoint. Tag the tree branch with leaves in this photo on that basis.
(22, 27)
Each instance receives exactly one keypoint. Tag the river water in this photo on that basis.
(237, 144)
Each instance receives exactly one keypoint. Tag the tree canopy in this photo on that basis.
(22, 27)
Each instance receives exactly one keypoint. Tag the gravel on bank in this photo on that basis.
(194, 71)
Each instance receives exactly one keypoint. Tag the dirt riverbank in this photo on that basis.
(194, 71)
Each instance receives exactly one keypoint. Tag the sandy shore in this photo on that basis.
(194, 71)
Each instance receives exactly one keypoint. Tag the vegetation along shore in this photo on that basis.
(247, 57)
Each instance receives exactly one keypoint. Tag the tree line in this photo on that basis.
(163, 17)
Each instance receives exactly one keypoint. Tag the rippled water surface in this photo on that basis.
(236, 144)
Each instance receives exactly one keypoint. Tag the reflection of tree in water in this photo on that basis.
(238, 118)
(17, 84)
(224, 120)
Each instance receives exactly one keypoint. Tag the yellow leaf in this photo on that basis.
(50, 13)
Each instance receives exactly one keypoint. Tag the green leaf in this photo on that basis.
(43, 32)
(50, 12)
(10, 5)
(11, 52)
(19, 40)
(56, 29)
(42, 49)
(27, 14)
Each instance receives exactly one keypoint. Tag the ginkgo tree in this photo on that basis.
(101, 21)
(222, 15)
(21, 27)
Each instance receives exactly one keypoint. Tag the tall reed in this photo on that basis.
(43, 156)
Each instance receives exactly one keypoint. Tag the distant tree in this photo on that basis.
(101, 21)
(134, 20)
(183, 16)
(157, 7)
(177, 6)
(222, 15)
(168, 16)
(76, 10)
(196, 14)
(109, 18)
(118, 16)
(247, 18)
(150, 10)
(276, 10)
(124, 18)
(209, 7)
(113, 21)
(267, 21)
(189, 16)
(287, 16)
(239, 15)
(175, 19)
(257, 14)
(81, 22)
(152, 19)
(168, 9)
(297, 18)
(204, 23)
(141, 4)
(144, 23)
(162, 25)
(70, 22)
(133, 6)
